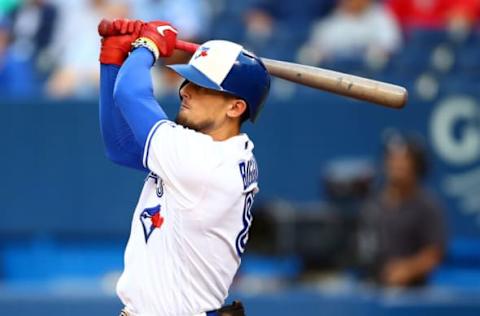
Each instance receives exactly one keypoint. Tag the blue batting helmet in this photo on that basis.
(228, 67)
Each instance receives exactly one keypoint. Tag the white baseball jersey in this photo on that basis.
(191, 222)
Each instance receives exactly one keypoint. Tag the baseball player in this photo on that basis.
(191, 223)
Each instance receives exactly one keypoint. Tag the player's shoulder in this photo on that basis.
(188, 140)
(181, 135)
(241, 142)
(178, 128)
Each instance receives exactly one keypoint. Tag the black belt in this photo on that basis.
(234, 309)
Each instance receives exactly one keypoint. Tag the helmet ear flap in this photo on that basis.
(184, 83)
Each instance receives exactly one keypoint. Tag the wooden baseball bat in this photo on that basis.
(378, 92)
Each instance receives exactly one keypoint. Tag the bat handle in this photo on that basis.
(186, 46)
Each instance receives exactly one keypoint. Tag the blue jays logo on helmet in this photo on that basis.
(203, 52)
(151, 219)
(228, 67)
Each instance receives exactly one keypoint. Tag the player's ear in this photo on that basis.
(236, 108)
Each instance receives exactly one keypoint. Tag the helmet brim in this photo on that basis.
(192, 74)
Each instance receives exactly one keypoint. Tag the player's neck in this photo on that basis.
(224, 132)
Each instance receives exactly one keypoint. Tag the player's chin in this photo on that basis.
(180, 118)
(184, 120)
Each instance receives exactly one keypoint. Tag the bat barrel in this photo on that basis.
(377, 92)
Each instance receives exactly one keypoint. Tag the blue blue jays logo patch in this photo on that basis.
(151, 219)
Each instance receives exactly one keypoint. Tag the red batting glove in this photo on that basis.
(159, 37)
(115, 48)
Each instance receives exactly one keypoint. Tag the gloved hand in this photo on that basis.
(159, 37)
(115, 48)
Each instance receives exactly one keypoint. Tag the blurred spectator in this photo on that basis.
(30, 27)
(271, 26)
(356, 29)
(76, 46)
(17, 77)
(287, 10)
(401, 233)
(193, 25)
(33, 24)
(435, 13)
(260, 23)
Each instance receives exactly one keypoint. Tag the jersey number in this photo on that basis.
(247, 218)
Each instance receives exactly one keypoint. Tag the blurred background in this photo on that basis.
(362, 211)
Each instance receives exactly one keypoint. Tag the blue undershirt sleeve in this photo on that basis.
(133, 94)
(120, 145)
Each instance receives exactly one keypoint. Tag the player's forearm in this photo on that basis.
(120, 145)
(404, 271)
(425, 261)
(133, 94)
